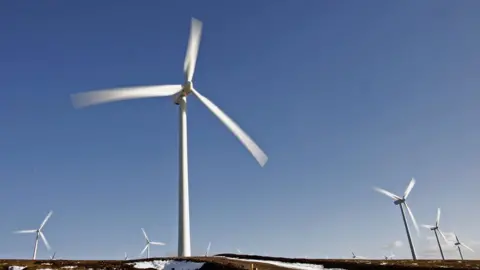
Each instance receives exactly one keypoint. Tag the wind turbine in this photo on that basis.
(53, 256)
(180, 93)
(39, 233)
(357, 257)
(390, 257)
(208, 249)
(148, 243)
(435, 229)
(126, 257)
(402, 201)
(458, 244)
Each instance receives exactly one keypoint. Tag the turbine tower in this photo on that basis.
(458, 244)
(435, 229)
(147, 245)
(39, 233)
(400, 201)
(180, 93)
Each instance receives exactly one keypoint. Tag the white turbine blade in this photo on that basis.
(259, 155)
(443, 235)
(438, 216)
(427, 226)
(192, 49)
(85, 99)
(45, 220)
(44, 240)
(389, 194)
(145, 234)
(208, 248)
(467, 247)
(413, 219)
(144, 249)
(26, 231)
(157, 243)
(409, 188)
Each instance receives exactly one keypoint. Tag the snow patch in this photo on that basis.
(167, 265)
(300, 266)
(14, 267)
(70, 267)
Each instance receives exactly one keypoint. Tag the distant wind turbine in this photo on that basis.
(435, 229)
(458, 244)
(126, 257)
(357, 257)
(53, 256)
(390, 257)
(148, 243)
(39, 233)
(180, 93)
(402, 201)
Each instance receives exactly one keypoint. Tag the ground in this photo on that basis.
(237, 262)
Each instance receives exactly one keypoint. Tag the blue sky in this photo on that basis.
(341, 95)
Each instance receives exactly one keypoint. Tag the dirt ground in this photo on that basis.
(219, 263)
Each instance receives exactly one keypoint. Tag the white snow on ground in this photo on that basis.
(301, 266)
(167, 265)
(16, 267)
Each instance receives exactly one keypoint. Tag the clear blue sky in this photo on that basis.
(341, 95)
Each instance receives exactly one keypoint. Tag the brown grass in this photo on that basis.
(224, 263)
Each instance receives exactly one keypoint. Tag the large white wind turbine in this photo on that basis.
(39, 233)
(458, 244)
(402, 201)
(147, 245)
(180, 93)
(435, 229)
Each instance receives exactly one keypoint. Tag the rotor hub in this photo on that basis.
(186, 90)
(399, 201)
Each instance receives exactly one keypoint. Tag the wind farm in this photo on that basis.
(195, 207)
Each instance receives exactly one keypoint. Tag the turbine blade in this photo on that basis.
(409, 188)
(254, 149)
(389, 194)
(157, 243)
(144, 249)
(44, 240)
(192, 49)
(45, 220)
(438, 216)
(145, 234)
(413, 219)
(467, 247)
(85, 99)
(208, 248)
(26, 231)
(427, 226)
(443, 235)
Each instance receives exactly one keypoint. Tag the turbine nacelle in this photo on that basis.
(186, 90)
(399, 201)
